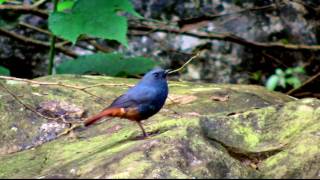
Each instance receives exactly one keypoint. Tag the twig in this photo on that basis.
(36, 42)
(80, 88)
(209, 17)
(35, 28)
(179, 69)
(25, 105)
(50, 84)
(65, 42)
(25, 9)
(304, 83)
(99, 47)
(231, 38)
(70, 129)
(275, 59)
(60, 84)
(110, 84)
(38, 3)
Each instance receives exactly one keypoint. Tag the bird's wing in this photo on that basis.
(124, 101)
(133, 97)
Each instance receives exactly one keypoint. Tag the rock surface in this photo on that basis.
(204, 131)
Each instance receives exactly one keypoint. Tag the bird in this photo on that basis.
(140, 102)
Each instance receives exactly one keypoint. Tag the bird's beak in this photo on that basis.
(166, 72)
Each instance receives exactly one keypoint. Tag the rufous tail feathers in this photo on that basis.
(110, 112)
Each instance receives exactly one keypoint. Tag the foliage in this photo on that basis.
(283, 78)
(256, 76)
(4, 71)
(97, 18)
(65, 4)
(71, 19)
(113, 64)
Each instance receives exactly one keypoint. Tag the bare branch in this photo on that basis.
(23, 104)
(38, 3)
(208, 17)
(35, 28)
(229, 37)
(25, 10)
(184, 65)
(80, 88)
(304, 83)
(35, 42)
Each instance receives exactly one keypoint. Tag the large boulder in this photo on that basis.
(203, 131)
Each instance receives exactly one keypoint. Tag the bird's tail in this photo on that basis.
(109, 112)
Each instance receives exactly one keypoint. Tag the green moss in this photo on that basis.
(274, 160)
(250, 137)
(135, 156)
(26, 164)
(302, 149)
(131, 166)
(276, 173)
(301, 116)
(264, 116)
(88, 164)
(178, 146)
(165, 123)
(176, 173)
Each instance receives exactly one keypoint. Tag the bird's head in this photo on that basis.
(157, 75)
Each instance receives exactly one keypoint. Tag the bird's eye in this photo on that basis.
(156, 75)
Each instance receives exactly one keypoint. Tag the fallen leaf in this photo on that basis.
(181, 99)
(54, 108)
(193, 114)
(219, 98)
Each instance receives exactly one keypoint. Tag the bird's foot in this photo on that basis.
(141, 137)
(70, 130)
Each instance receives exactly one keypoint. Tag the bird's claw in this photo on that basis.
(70, 129)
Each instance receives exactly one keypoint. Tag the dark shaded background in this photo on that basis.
(267, 21)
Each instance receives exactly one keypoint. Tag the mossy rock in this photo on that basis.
(203, 131)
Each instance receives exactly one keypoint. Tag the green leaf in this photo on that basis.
(272, 82)
(256, 75)
(66, 4)
(4, 71)
(2, 1)
(109, 64)
(294, 81)
(282, 82)
(279, 71)
(97, 18)
(289, 71)
(284, 41)
(299, 69)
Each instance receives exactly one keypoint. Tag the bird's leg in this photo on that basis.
(70, 129)
(141, 127)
